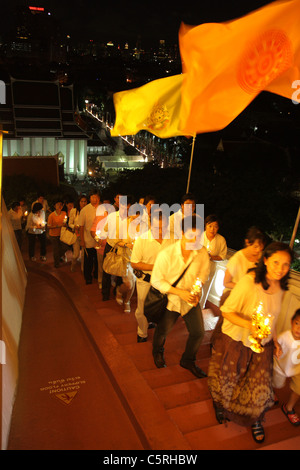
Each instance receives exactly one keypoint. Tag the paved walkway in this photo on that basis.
(85, 382)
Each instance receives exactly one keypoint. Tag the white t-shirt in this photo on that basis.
(238, 265)
(289, 362)
(216, 247)
(15, 218)
(86, 219)
(115, 228)
(44, 204)
(244, 298)
(33, 220)
(145, 250)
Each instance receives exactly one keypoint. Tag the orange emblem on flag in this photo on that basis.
(159, 118)
(227, 64)
(264, 60)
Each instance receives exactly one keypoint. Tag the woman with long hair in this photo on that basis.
(239, 379)
(73, 224)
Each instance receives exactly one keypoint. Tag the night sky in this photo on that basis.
(125, 20)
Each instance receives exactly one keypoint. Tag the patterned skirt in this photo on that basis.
(240, 380)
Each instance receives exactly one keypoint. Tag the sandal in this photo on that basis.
(258, 432)
(127, 307)
(291, 416)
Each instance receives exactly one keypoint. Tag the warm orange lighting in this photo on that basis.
(37, 8)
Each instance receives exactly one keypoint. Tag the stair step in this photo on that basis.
(183, 393)
(171, 375)
(193, 416)
(288, 444)
(234, 437)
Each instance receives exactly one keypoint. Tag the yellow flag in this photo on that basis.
(154, 107)
(228, 64)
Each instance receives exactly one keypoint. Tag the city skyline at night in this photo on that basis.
(121, 21)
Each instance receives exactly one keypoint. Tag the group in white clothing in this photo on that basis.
(160, 247)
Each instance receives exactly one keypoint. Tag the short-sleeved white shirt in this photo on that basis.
(288, 364)
(86, 219)
(243, 299)
(238, 265)
(145, 250)
(216, 247)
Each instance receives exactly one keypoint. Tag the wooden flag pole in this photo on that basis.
(295, 230)
(191, 162)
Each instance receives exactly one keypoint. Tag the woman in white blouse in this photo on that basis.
(239, 379)
(216, 247)
(246, 258)
(214, 242)
(73, 224)
(239, 264)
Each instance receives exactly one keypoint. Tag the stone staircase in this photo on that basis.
(186, 400)
(167, 409)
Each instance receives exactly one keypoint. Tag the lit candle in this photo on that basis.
(196, 289)
(262, 323)
(97, 238)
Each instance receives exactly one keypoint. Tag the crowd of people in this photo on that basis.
(170, 251)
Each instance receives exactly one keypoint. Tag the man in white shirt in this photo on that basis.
(111, 232)
(41, 199)
(188, 206)
(144, 253)
(169, 265)
(16, 215)
(86, 219)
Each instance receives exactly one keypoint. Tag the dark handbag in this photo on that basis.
(156, 302)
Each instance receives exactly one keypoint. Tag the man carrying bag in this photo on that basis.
(188, 256)
(144, 253)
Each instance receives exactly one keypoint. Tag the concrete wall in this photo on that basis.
(41, 169)
(14, 280)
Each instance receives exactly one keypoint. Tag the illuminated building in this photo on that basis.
(39, 116)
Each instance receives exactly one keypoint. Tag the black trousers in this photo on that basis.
(32, 237)
(195, 326)
(90, 267)
(18, 234)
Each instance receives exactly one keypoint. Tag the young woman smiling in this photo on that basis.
(240, 380)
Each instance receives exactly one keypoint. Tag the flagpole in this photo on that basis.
(191, 161)
(295, 229)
